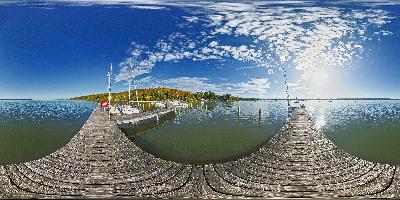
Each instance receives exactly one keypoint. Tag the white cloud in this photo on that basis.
(252, 87)
(213, 44)
(190, 83)
(148, 7)
(255, 86)
(304, 34)
(191, 19)
(294, 84)
(139, 62)
(146, 80)
(230, 6)
(307, 37)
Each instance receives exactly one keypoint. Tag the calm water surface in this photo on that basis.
(212, 135)
(32, 129)
(366, 129)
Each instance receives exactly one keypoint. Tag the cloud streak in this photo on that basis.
(252, 87)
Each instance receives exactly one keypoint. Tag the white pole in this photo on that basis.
(109, 85)
(129, 92)
(137, 98)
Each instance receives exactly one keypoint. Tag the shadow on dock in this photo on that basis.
(100, 161)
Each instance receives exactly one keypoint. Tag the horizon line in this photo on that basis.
(242, 98)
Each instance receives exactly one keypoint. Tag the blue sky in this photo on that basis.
(59, 49)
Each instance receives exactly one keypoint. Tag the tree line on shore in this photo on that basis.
(160, 94)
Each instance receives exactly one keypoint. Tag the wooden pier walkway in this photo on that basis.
(126, 119)
(100, 161)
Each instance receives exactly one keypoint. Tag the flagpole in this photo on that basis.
(129, 92)
(137, 98)
(109, 85)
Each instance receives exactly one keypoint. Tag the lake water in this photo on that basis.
(32, 129)
(366, 129)
(212, 135)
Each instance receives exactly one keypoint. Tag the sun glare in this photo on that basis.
(326, 81)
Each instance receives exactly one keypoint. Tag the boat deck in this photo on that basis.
(99, 161)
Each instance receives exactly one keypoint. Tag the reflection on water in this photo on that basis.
(214, 134)
(32, 129)
(367, 129)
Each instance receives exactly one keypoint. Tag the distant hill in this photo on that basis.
(159, 94)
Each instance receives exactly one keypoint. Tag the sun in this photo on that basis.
(326, 81)
(322, 78)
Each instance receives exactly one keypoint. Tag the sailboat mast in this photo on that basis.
(109, 85)
(129, 91)
(137, 98)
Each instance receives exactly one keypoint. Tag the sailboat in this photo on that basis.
(127, 109)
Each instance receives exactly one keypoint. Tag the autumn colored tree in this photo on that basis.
(159, 94)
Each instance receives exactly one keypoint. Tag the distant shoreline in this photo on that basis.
(256, 99)
(316, 99)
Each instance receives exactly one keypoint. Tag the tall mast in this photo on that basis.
(109, 85)
(129, 91)
(137, 98)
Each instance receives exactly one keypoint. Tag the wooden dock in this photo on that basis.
(136, 118)
(100, 161)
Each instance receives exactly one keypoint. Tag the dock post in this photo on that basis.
(225, 113)
(238, 111)
(259, 115)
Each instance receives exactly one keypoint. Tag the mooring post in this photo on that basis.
(224, 113)
(238, 112)
(259, 115)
